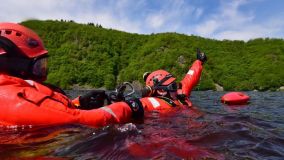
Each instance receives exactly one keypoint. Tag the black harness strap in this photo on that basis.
(163, 80)
(180, 98)
(168, 100)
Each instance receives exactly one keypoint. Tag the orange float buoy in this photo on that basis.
(235, 98)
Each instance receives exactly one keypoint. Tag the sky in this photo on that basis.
(216, 19)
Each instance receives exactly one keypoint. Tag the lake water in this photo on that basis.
(213, 131)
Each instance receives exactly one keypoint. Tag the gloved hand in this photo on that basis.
(146, 91)
(201, 56)
(118, 94)
(93, 99)
(136, 107)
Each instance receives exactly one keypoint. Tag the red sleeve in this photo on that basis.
(192, 77)
(118, 112)
(153, 103)
(30, 103)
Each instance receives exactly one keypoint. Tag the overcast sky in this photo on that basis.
(218, 19)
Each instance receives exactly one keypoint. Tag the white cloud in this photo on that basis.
(170, 17)
(18, 11)
(247, 32)
(155, 21)
(228, 19)
(198, 12)
(109, 21)
(232, 16)
(139, 16)
(82, 11)
(208, 28)
(237, 35)
(231, 23)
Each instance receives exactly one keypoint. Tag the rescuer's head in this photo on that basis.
(22, 53)
(160, 83)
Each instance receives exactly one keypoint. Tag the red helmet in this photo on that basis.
(22, 53)
(159, 83)
(27, 41)
(162, 77)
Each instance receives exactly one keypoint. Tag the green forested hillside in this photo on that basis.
(97, 57)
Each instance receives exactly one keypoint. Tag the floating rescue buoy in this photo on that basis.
(235, 98)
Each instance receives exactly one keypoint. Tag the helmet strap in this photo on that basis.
(159, 83)
(19, 67)
(13, 62)
(8, 46)
(159, 89)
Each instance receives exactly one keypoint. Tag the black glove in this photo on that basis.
(93, 99)
(136, 107)
(201, 56)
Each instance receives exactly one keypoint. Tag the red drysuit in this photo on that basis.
(26, 102)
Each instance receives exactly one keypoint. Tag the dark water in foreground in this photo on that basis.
(215, 131)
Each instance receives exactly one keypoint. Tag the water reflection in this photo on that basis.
(214, 130)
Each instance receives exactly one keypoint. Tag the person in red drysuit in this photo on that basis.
(26, 100)
(163, 92)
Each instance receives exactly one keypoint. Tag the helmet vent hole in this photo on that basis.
(8, 32)
(32, 43)
(18, 34)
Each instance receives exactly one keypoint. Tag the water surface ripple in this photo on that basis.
(211, 130)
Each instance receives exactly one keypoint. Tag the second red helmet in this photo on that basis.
(157, 76)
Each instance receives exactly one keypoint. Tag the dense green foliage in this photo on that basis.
(97, 57)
